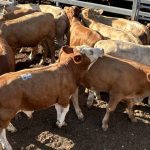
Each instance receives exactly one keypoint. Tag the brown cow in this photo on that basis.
(78, 33)
(53, 85)
(7, 61)
(28, 31)
(60, 17)
(122, 79)
(125, 50)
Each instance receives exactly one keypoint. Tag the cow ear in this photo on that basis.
(148, 76)
(83, 8)
(77, 59)
(67, 49)
(100, 11)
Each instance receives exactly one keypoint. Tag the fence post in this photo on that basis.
(13, 2)
(57, 4)
(135, 9)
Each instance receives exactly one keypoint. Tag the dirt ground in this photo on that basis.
(40, 132)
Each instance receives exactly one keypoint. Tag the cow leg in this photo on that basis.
(112, 104)
(61, 119)
(33, 52)
(51, 44)
(45, 51)
(59, 111)
(60, 40)
(90, 99)
(6, 114)
(77, 108)
(93, 95)
(52, 48)
(148, 100)
(21, 50)
(60, 32)
(130, 105)
(3, 140)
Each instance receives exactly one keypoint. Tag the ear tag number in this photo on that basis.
(26, 76)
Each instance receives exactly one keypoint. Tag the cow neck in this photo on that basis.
(74, 20)
(76, 70)
(87, 21)
(101, 18)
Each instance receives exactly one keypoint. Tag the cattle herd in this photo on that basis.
(104, 54)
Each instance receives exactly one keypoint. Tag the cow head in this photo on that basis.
(80, 54)
(92, 53)
(72, 11)
(148, 26)
(91, 13)
(68, 52)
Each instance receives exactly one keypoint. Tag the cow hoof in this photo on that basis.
(89, 103)
(104, 127)
(5, 147)
(64, 124)
(89, 106)
(81, 117)
(59, 125)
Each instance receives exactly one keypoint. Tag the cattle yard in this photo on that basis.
(41, 131)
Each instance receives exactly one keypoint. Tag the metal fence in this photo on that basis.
(140, 8)
(136, 12)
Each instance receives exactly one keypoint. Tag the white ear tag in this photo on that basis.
(26, 76)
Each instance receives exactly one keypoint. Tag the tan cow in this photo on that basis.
(28, 31)
(78, 33)
(58, 13)
(53, 85)
(122, 79)
(106, 31)
(7, 61)
(134, 27)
